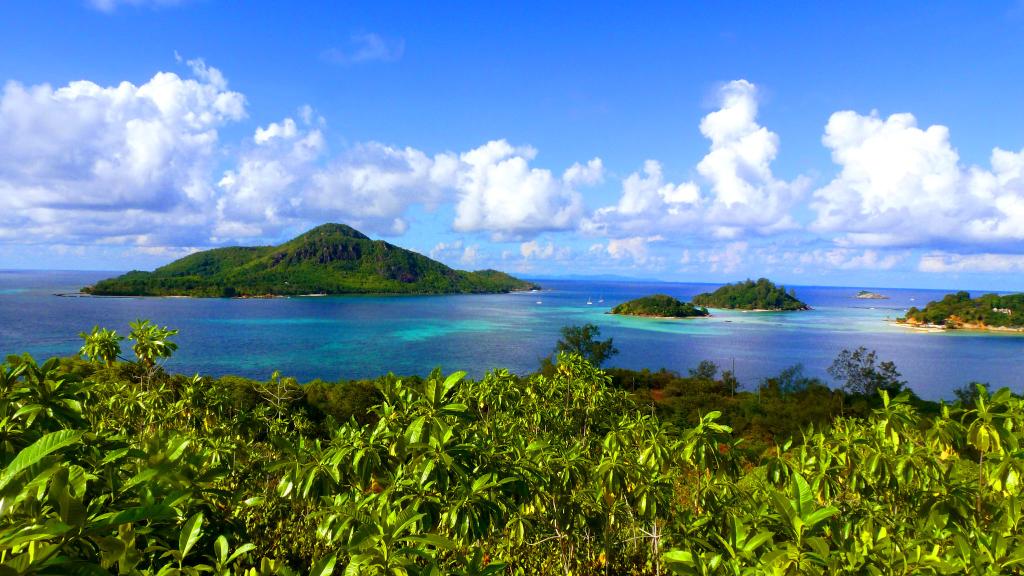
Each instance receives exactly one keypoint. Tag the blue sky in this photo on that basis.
(869, 144)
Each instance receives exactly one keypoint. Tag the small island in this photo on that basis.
(960, 311)
(868, 295)
(760, 296)
(329, 259)
(659, 306)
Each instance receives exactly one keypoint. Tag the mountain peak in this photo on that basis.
(334, 229)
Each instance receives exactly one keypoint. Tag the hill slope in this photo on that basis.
(329, 259)
(961, 311)
(750, 295)
(660, 306)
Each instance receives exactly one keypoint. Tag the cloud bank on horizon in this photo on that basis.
(145, 167)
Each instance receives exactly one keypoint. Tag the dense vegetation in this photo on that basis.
(750, 295)
(778, 407)
(111, 466)
(582, 341)
(330, 259)
(960, 310)
(660, 305)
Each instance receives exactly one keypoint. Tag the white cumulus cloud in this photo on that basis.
(901, 185)
(726, 259)
(264, 191)
(499, 192)
(742, 195)
(445, 249)
(286, 130)
(534, 249)
(86, 161)
(587, 174)
(745, 193)
(647, 193)
(635, 248)
(374, 184)
(470, 255)
(457, 250)
(289, 176)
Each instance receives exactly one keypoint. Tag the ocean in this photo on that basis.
(365, 336)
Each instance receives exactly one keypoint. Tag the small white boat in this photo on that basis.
(601, 300)
(589, 302)
(539, 302)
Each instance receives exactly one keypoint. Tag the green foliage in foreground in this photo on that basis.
(661, 305)
(330, 259)
(750, 295)
(127, 470)
(960, 310)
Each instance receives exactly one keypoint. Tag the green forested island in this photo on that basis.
(959, 310)
(110, 465)
(659, 305)
(329, 259)
(750, 295)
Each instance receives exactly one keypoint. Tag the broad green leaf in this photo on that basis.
(38, 450)
(820, 514)
(450, 382)
(756, 541)
(803, 499)
(243, 549)
(683, 557)
(819, 546)
(324, 566)
(220, 548)
(435, 540)
(114, 455)
(177, 448)
(190, 533)
(140, 478)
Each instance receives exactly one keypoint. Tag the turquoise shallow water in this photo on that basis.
(361, 336)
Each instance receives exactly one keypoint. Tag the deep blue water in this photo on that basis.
(364, 336)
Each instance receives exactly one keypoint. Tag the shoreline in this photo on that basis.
(939, 328)
(653, 317)
(806, 308)
(759, 310)
(284, 296)
(925, 328)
